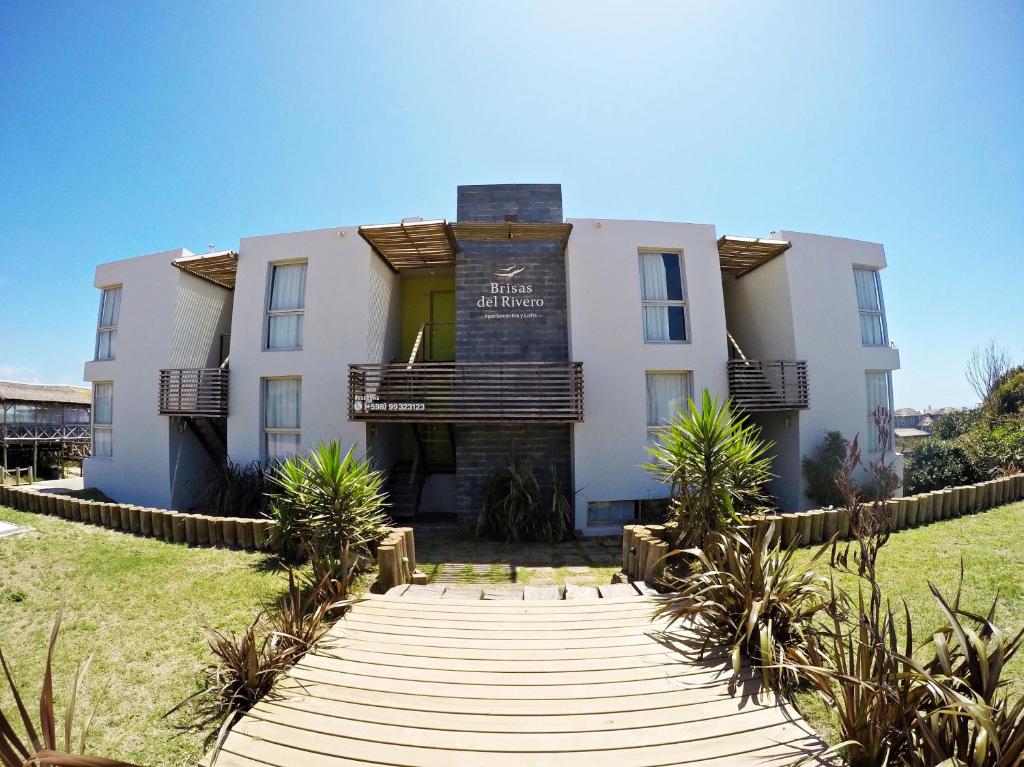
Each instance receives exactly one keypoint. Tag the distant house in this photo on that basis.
(920, 420)
(42, 421)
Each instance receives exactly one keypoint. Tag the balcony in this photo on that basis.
(194, 392)
(760, 386)
(467, 392)
(44, 432)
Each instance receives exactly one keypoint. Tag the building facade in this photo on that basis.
(449, 350)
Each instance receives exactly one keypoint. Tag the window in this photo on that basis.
(663, 297)
(106, 334)
(600, 513)
(286, 306)
(103, 419)
(879, 385)
(667, 393)
(282, 405)
(872, 309)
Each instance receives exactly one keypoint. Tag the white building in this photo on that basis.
(448, 350)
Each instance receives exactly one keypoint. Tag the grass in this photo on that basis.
(991, 545)
(137, 606)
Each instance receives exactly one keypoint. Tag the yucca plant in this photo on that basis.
(742, 592)
(325, 501)
(234, 489)
(715, 464)
(516, 508)
(41, 746)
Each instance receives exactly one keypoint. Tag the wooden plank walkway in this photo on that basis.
(476, 683)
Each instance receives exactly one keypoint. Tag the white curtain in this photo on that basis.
(879, 395)
(103, 442)
(867, 289)
(103, 403)
(106, 347)
(110, 307)
(282, 403)
(287, 294)
(666, 394)
(871, 329)
(654, 287)
(289, 287)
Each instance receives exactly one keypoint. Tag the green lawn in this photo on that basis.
(991, 545)
(135, 605)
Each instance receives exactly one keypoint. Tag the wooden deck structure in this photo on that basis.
(419, 682)
(42, 418)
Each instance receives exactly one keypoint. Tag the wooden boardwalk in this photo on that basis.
(473, 683)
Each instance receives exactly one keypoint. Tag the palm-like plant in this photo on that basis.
(41, 747)
(715, 463)
(327, 501)
(752, 597)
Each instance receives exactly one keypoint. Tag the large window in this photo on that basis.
(872, 309)
(103, 419)
(663, 297)
(667, 393)
(286, 306)
(282, 407)
(879, 383)
(106, 333)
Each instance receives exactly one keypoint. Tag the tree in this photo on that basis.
(986, 366)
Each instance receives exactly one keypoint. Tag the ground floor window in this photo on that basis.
(282, 406)
(601, 513)
(103, 419)
(667, 393)
(879, 384)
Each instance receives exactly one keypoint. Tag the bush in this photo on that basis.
(234, 490)
(1007, 397)
(820, 467)
(750, 596)
(953, 425)
(1000, 449)
(516, 508)
(933, 464)
(716, 465)
(327, 504)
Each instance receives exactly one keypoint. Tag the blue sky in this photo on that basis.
(130, 128)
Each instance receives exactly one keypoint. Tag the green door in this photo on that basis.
(441, 337)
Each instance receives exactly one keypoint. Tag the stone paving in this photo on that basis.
(450, 558)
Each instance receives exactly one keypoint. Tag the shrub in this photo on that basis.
(327, 503)
(1007, 396)
(715, 464)
(953, 425)
(999, 449)
(819, 469)
(931, 464)
(750, 596)
(234, 490)
(516, 507)
(42, 744)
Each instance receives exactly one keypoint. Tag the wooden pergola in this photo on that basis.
(421, 244)
(742, 255)
(218, 268)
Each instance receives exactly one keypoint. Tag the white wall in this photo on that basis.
(336, 333)
(606, 335)
(167, 319)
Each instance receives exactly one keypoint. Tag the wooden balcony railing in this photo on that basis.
(767, 385)
(194, 392)
(466, 392)
(51, 432)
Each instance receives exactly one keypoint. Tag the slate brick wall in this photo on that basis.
(484, 449)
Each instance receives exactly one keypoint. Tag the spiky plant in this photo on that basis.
(303, 616)
(715, 464)
(516, 507)
(327, 500)
(750, 596)
(41, 746)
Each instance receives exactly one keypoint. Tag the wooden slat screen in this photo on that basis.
(467, 392)
(766, 385)
(198, 392)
